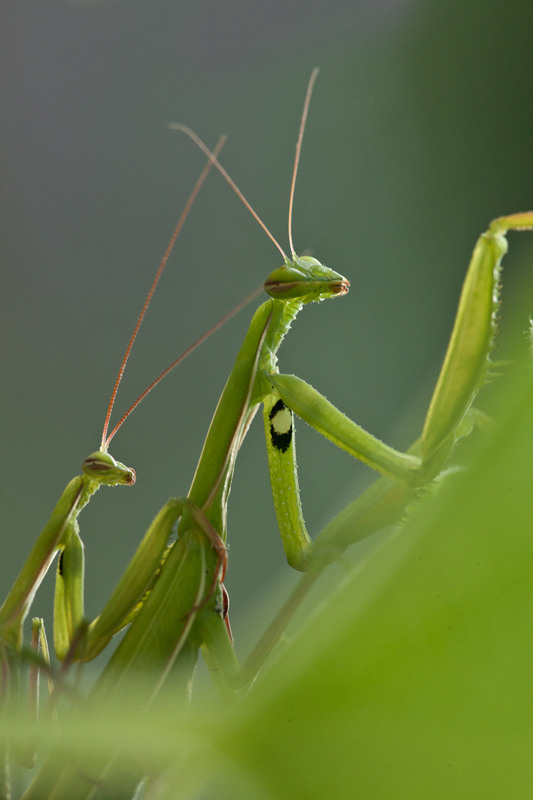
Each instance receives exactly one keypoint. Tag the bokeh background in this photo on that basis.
(420, 132)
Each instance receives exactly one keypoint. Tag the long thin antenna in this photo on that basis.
(183, 356)
(214, 160)
(177, 229)
(307, 101)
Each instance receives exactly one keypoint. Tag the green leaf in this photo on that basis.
(414, 679)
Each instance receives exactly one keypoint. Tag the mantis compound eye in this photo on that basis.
(103, 468)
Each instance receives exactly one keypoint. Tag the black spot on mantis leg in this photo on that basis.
(280, 426)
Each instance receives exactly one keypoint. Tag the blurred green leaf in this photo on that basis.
(413, 680)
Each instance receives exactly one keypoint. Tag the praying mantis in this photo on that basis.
(185, 609)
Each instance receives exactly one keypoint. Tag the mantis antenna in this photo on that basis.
(192, 197)
(106, 438)
(221, 322)
(214, 160)
(305, 111)
(212, 155)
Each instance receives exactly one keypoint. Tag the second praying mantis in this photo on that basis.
(183, 606)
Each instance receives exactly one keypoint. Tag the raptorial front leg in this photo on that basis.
(462, 375)
(279, 436)
(325, 418)
(75, 637)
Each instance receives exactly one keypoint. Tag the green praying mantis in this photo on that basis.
(173, 596)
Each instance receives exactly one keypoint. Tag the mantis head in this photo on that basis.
(102, 467)
(304, 278)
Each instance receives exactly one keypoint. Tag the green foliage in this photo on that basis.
(413, 680)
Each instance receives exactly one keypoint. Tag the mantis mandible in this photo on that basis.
(184, 610)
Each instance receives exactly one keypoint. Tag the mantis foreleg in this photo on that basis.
(463, 373)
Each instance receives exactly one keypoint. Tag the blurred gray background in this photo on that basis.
(420, 132)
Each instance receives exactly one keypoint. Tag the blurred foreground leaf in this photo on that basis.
(414, 679)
